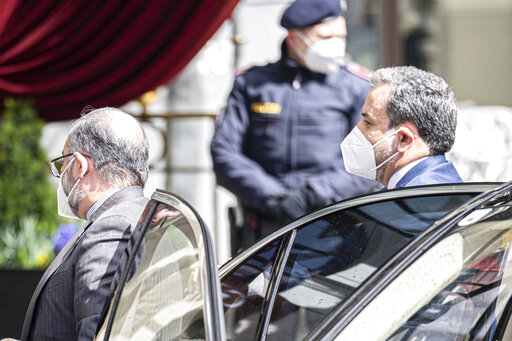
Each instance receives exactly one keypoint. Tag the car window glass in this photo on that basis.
(476, 304)
(333, 255)
(164, 297)
(244, 291)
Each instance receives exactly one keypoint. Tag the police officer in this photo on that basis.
(276, 144)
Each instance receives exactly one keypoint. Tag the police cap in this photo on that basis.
(302, 13)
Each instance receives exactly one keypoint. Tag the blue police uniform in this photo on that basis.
(433, 170)
(281, 130)
(276, 143)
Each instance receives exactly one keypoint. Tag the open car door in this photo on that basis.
(169, 289)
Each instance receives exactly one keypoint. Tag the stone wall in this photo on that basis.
(483, 144)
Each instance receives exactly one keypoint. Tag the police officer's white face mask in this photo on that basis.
(359, 154)
(324, 56)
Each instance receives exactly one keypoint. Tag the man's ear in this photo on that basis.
(407, 136)
(291, 38)
(83, 163)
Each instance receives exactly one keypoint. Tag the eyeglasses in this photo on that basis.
(57, 164)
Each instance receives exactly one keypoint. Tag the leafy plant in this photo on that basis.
(26, 246)
(28, 214)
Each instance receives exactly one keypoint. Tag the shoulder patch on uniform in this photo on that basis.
(359, 70)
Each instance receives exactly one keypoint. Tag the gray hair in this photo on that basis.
(425, 100)
(116, 144)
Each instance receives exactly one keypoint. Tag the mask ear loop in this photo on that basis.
(386, 137)
(385, 161)
(389, 158)
(78, 181)
(73, 188)
(304, 39)
(69, 164)
(62, 176)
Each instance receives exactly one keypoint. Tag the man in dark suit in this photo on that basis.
(408, 124)
(103, 168)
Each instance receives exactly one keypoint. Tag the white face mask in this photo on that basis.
(324, 56)
(359, 155)
(64, 209)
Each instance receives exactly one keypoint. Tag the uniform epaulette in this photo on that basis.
(359, 70)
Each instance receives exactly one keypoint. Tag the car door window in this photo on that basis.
(244, 291)
(333, 255)
(171, 281)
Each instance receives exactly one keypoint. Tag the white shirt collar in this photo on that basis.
(399, 174)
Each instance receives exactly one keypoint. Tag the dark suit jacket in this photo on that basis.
(433, 170)
(68, 300)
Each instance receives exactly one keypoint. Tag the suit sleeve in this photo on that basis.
(235, 171)
(97, 260)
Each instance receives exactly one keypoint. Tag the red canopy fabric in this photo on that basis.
(69, 54)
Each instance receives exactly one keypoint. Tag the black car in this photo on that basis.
(422, 263)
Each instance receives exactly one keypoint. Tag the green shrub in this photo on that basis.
(28, 205)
